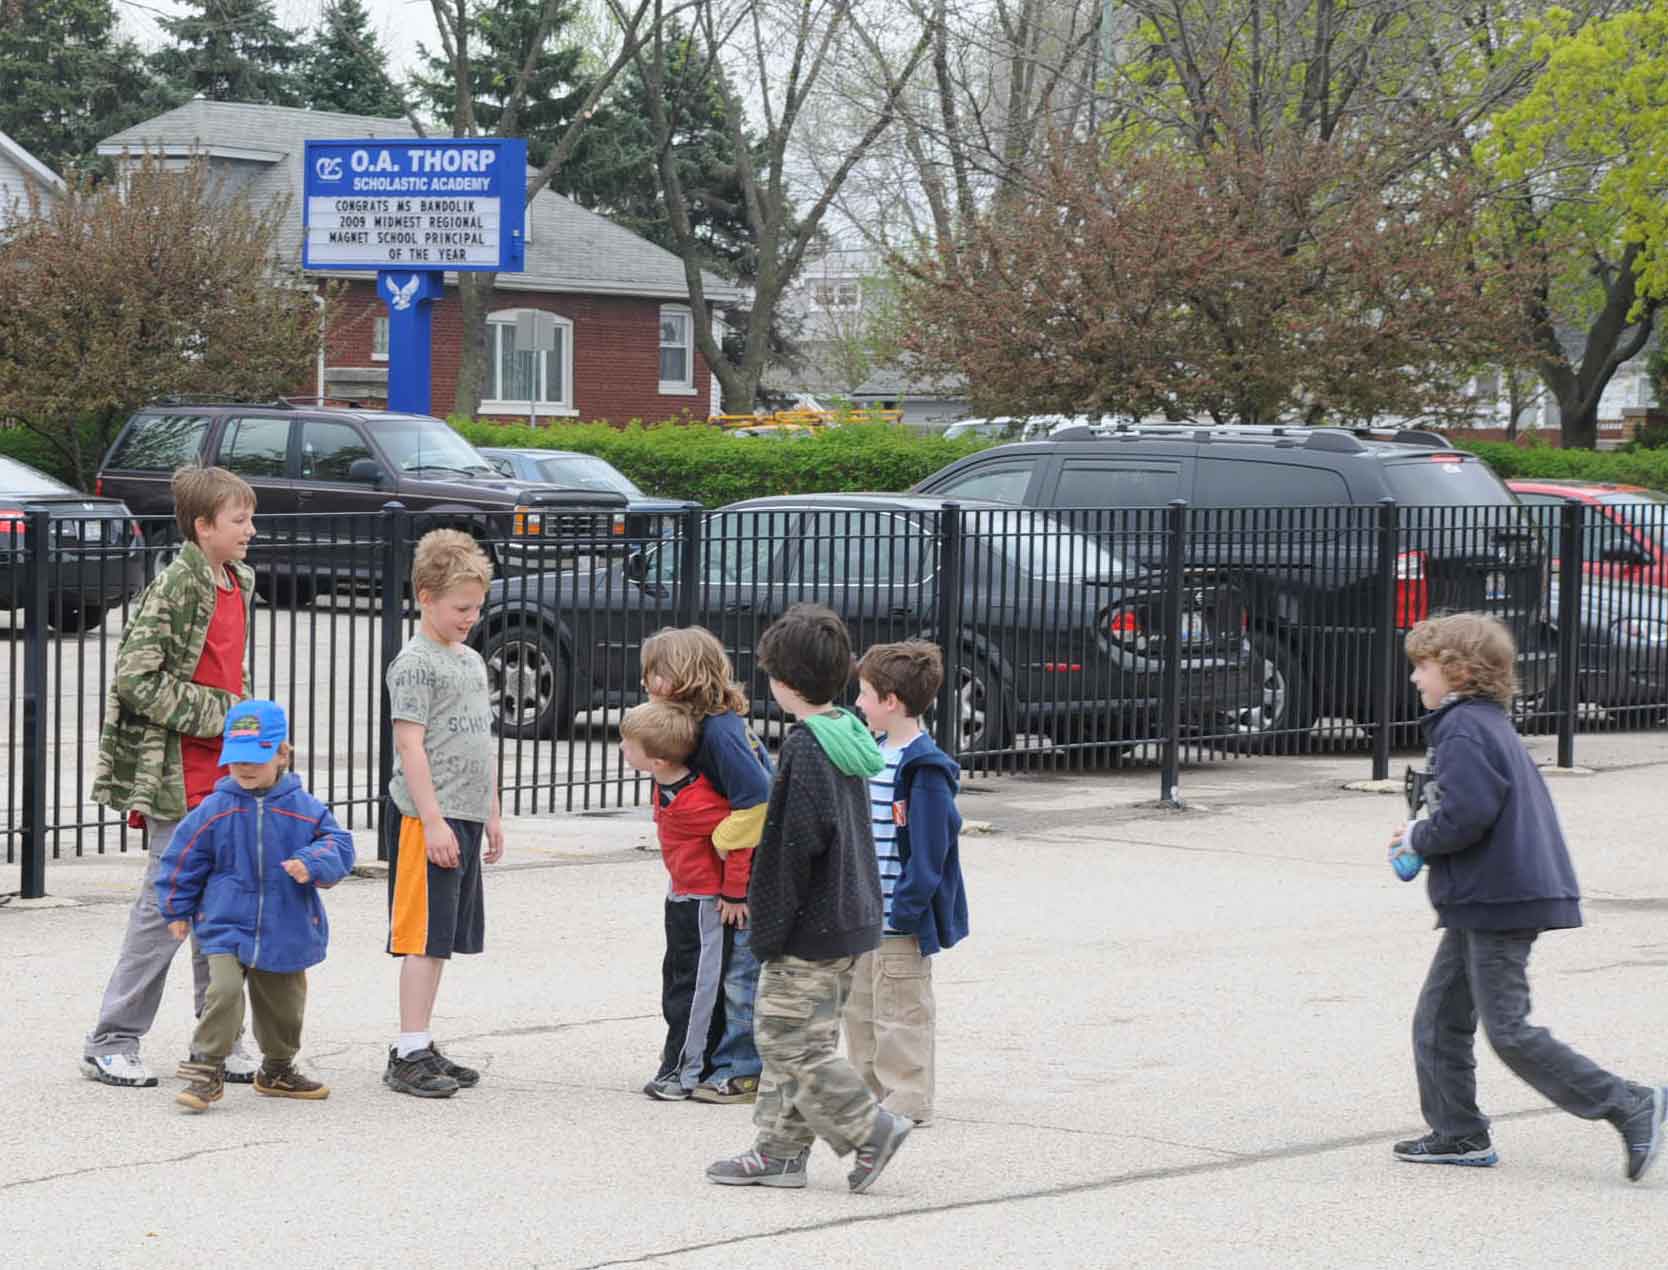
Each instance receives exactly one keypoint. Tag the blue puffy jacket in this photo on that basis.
(224, 871)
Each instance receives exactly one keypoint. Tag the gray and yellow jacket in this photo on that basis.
(152, 700)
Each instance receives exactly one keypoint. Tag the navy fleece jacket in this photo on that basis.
(930, 898)
(1496, 854)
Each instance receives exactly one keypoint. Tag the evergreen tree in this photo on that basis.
(232, 50)
(67, 81)
(345, 68)
(500, 36)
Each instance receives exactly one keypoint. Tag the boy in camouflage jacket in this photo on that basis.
(179, 669)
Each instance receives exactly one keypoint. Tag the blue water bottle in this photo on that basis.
(1406, 861)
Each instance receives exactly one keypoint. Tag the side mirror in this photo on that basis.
(366, 471)
(1623, 553)
(637, 566)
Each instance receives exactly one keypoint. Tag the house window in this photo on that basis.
(837, 295)
(677, 359)
(528, 380)
(379, 339)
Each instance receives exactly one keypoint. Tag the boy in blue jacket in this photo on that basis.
(245, 869)
(1500, 874)
(890, 1016)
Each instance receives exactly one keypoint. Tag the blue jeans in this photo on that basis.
(736, 1054)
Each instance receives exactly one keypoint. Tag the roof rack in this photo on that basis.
(210, 399)
(1335, 440)
(346, 403)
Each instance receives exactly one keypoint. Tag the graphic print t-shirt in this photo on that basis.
(220, 666)
(445, 689)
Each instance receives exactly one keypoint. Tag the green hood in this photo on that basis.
(846, 742)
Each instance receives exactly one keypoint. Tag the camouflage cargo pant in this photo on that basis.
(807, 1090)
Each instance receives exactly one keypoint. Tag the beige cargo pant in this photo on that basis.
(890, 1024)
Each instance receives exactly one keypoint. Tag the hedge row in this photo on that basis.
(709, 466)
(1635, 467)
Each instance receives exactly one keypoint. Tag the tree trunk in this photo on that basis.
(475, 295)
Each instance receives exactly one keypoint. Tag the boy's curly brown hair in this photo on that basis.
(1476, 652)
(698, 674)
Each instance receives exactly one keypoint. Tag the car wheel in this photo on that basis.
(1280, 722)
(285, 590)
(527, 683)
(69, 619)
(984, 711)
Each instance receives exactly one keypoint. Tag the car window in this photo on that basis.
(1100, 483)
(160, 443)
(21, 479)
(585, 472)
(863, 548)
(1539, 500)
(1000, 483)
(1646, 511)
(504, 465)
(256, 447)
(416, 443)
(1445, 480)
(1600, 534)
(1230, 483)
(329, 449)
(1044, 546)
(738, 549)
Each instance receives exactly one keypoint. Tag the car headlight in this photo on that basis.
(1640, 631)
(527, 522)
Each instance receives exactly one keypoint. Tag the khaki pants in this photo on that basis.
(277, 1003)
(890, 1020)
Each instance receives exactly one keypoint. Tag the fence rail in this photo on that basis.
(1166, 637)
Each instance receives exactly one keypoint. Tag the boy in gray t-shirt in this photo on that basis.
(442, 800)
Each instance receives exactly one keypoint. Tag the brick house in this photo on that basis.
(626, 345)
(21, 172)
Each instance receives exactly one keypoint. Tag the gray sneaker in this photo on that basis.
(755, 1168)
(1642, 1132)
(889, 1133)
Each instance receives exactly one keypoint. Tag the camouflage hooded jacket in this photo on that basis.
(152, 699)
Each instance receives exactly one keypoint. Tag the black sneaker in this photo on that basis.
(418, 1074)
(466, 1077)
(1642, 1132)
(889, 1132)
(1475, 1150)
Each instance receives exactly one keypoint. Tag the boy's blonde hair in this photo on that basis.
(200, 493)
(447, 558)
(665, 731)
(692, 661)
(1476, 653)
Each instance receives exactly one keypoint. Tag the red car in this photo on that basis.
(1626, 526)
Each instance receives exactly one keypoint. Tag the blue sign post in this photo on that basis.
(411, 210)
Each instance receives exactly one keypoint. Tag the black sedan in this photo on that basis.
(1051, 632)
(644, 517)
(97, 554)
(1622, 648)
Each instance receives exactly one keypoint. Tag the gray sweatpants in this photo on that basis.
(135, 989)
(1484, 974)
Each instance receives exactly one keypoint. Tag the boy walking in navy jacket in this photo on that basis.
(245, 869)
(890, 1017)
(1500, 874)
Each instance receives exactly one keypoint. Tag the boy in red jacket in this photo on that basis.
(658, 738)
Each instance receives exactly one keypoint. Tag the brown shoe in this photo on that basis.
(281, 1080)
(205, 1083)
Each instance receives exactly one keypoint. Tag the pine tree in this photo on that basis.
(345, 68)
(231, 50)
(67, 81)
(501, 33)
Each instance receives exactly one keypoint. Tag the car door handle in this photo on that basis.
(901, 610)
(739, 606)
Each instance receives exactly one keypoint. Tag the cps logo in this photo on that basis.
(328, 168)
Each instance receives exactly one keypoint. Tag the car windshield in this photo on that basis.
(415, 443)
(1044, 547)
(585, 472)
(21, 479)
(1645, 511)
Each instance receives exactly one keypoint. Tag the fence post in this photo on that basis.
(396, 531)
(1175, 566)
(947, 622)
(1384, 639)
(690, 570)
(1568, 674)
(36, 601)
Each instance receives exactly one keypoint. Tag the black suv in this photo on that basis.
(1305, 541)
(305, 461)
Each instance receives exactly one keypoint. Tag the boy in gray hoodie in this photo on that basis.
(815, 905)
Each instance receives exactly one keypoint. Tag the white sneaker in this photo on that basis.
(117, 1069)
(240, 1067)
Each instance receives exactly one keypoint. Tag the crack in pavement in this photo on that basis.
(138, 1164)
(545, 1029)
(1242, 1161)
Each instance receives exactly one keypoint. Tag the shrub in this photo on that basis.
(707, 465)
(1636, 467)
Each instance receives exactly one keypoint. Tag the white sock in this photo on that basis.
(410, 1042)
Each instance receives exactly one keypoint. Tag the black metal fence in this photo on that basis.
(1072, 640)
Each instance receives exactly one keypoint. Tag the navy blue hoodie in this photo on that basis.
(1496, 854)
(930, 899)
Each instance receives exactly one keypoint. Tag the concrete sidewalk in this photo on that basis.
(1175, 1038)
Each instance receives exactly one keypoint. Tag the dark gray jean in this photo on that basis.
(1484, 975)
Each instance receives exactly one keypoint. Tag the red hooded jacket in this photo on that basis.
(685, 828)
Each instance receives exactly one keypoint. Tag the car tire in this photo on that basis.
(1283, 723)
(527, 683)
(286, 590)
(985, 708)
(72, 619)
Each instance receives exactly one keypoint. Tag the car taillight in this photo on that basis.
(1123, 623)
(1413, 596)
(98, 487)
(138, 538)
(11, 521)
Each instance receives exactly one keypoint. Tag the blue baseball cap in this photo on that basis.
(254, 731)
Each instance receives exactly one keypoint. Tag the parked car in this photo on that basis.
(1056, 635)
(1013, 427)
(1306, 548)
(1625, 534)
(97, 555)
(309, 465)
(644, 517)
(1622, 648)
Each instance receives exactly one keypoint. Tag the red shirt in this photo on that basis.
(221, 666)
